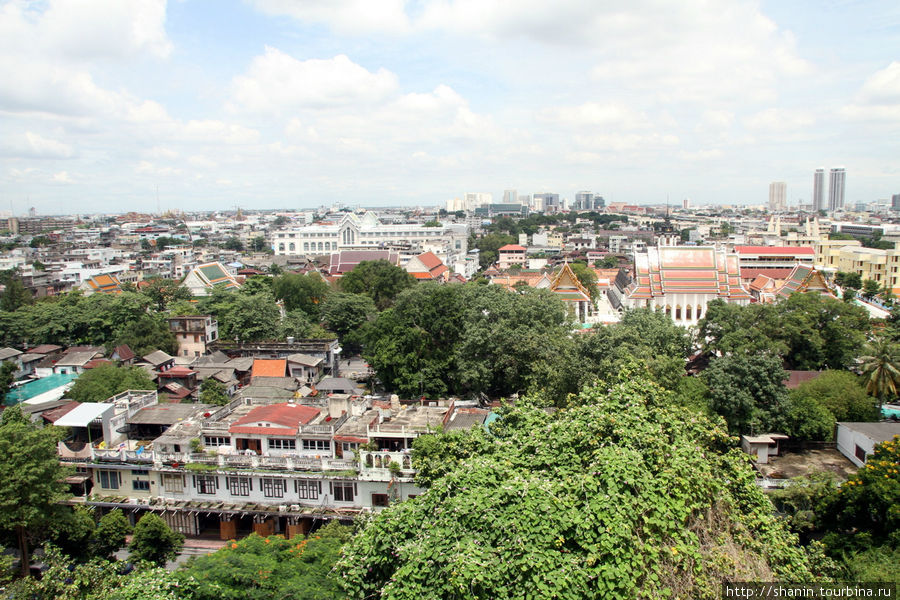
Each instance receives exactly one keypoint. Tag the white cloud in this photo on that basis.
(878, 100)
(780, 120)
(594, 114)
(212, 131)
(32, 145)
(277, 81)
(345, 16)
(61, 177)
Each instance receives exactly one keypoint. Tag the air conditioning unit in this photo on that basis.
(295, 508)
(282, 508)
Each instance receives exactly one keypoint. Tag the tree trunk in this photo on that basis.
(24, 558)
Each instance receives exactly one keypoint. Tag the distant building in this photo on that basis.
(546, 202)
(895, 202)
(510, 255)
(836, 184)
(818, 199)
(777, 196)
(510, 197)
(857, 441)
(193, 333)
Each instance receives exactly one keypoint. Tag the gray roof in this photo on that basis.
(75, 359)
(241, 364)
(262, 391)
(466, 420)
(157, 357)
(9, 353)
(304, 359)
(165, 414)
(331, 384)
(30, 357)
(877, 432)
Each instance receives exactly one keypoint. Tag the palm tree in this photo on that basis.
(880, 368)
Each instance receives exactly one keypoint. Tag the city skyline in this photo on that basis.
(107, 106)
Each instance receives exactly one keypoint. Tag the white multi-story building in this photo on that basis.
(777, 196)
(366, 232)
(836, 182)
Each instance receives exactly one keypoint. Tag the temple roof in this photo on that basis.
(687, 270)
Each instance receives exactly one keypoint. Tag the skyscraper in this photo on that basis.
(777, 196)
(818, 197)
(836, 182)
(895, 202)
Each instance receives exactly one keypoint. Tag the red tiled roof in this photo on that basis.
(795, 378)
(427, 276)
(779, 273)
(178, 371)
(430, 260)
(268, 368)
(124, 352)
(96, 363)
(288, 416)
(776, 250)
(55, 413)
(512, 248)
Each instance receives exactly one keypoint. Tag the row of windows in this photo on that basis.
(272, 487)
(112, 480)
(274, 443)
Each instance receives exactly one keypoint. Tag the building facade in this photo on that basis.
(836, 182)
(777, 196)
(818, 195)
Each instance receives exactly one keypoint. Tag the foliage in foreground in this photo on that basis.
(257, 568)
(619, 496)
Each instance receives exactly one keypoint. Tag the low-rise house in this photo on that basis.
(159, 360)
(509, 255)
(304, 367)
(104, 283)
(193, 333)
(857, 441)
(427, 267)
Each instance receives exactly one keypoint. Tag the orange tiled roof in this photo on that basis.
(285, 417)
(268, 368)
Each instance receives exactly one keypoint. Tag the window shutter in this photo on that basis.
(193, 481)
(250, 479)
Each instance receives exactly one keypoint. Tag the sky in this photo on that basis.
(108, 106)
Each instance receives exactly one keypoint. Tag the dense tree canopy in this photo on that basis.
(164, 291)
(377, 279)
(442, 339)
(621, 496)
(104, 381)
(31, 478)
(347, 315)
(747, 390)
(258, 568)
(808, 331)
(250, 317)
(301, 292)
(154, 541)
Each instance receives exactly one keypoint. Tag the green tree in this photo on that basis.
(154, 541)
(257, 568)
(258, 244)
(619, 496)
(870, 289)
(213, 392)
(866, 511)
(301, 292)
(107, 380)
(31, 478)
(588, 278)
(378, 279)
(7, 376)
(15, 294)
(804, 418)
(347, 315)
(880, 367)
(842, 393)
(109, 536)
(248, 317)
(297, 324)
(164, 292)
(147, 333)
(234, 243)
(848, 280)
(747, 390)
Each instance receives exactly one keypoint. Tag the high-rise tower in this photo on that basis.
(818, 197)
(777, 196)
(836, 182)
